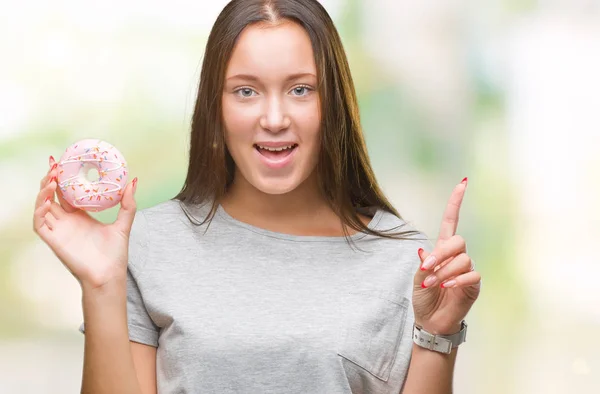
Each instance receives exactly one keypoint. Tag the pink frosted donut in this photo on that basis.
(79, 188)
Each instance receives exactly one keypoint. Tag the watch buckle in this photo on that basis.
(432, 343)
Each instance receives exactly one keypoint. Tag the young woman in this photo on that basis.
(280, 267)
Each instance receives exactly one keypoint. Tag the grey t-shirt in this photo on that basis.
(240, 309)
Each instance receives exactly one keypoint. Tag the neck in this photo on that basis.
(304, 202)
(303, 211)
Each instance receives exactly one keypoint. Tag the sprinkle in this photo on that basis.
(99, 197)
(75, 146)
(110, 197)
(118, 179)
(87, 191)
(95, 157)
(72, 187)
(61, 171)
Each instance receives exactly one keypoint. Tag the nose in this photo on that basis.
(274, 117)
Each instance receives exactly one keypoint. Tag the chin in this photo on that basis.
(276, 186)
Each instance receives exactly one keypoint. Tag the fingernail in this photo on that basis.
(420, 251)
(464, 180)
(54, 166)
(53, 179)
(428, 263)
(47, 199)
(51, 160)
(429, 281)
(134, 184)
(449, 283)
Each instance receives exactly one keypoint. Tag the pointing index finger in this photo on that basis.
(451, 214)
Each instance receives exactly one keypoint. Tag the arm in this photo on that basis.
(108, 365)
(144, 359)
(97, 255)
(445, 287)
(430, 372)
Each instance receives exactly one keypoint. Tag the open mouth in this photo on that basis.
(275, 154)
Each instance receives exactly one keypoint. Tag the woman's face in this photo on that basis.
(271, 107)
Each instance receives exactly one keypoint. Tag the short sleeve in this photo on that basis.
(141, 327)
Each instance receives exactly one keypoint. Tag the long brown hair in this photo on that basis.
(344, 170)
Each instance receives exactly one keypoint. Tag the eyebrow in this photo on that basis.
(254, 78)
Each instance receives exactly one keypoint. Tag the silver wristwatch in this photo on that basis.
(439, 343)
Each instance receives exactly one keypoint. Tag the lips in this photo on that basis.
(273, 153)
(276, 157)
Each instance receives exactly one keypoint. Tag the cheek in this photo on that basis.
(308, 119)
(238, 124)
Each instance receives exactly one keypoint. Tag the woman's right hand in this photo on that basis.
(95, 253)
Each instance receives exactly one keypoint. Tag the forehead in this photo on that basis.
(272, 51)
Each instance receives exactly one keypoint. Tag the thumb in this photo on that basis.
(128, 207)
(63, 203)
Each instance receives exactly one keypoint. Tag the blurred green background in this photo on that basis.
(502, 91)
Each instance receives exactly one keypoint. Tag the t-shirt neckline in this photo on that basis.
(299, 238)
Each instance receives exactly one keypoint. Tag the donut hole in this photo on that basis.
(90, 173)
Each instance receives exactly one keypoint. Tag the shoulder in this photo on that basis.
(163, 232)
(406, 234)
(172, 213)
(163, 209)
(164, 221)
(386, 221)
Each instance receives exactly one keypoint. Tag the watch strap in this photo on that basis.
(439, 343)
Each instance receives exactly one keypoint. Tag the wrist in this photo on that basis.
(439, 329)
(110, 287)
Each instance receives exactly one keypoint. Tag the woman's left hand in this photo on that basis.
(446, 285)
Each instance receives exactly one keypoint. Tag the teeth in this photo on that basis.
(275, 149)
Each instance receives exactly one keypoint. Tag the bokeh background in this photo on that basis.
(502, 91)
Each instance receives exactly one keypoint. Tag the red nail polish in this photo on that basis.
(54, 166)
(54, 179)
(423, 285)
(47, 199)
(51, 160)
(420, 252)
(464, 180)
